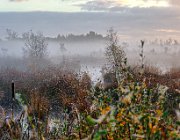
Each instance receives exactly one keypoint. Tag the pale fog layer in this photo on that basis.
(90, 55)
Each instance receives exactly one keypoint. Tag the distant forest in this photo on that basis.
(91, 35)
(71, 37)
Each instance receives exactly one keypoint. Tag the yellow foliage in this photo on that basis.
(159, 112)
(105, 110)
(127, 99)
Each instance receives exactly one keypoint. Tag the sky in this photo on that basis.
(81, 5)
(131, 18)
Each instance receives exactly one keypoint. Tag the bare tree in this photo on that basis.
(11, 35)
(35, 47)
(115, 54)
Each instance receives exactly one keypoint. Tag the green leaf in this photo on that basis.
(99, 133)
(102, 132)
(90, 120)
(143, 117)
(165, 114)
(178, 123)
(97, 136)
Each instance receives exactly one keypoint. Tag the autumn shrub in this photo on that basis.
(41, 93)
(136, 115)
(52, 83)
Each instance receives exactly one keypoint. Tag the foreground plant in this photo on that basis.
(139, 113)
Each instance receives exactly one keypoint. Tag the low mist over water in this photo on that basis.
(90, 54)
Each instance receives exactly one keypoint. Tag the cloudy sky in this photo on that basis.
(131, 18)
(81, 5)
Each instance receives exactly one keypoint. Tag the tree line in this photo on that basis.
(91, 35)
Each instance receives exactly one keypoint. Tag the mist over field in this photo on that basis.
(92, 53)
